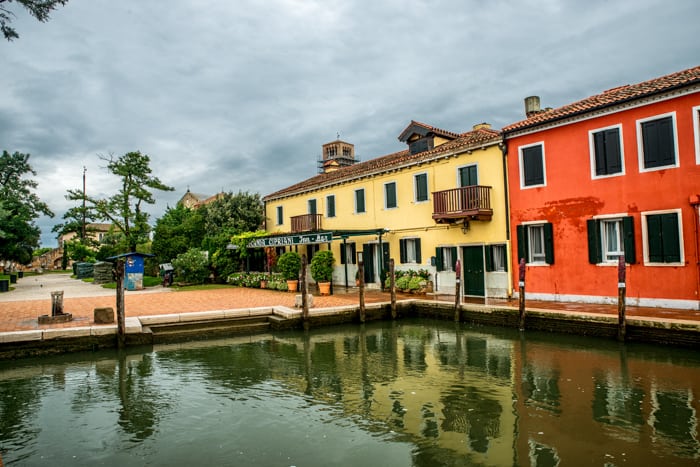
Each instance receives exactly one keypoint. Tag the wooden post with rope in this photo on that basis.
(521, 294)
(621, 293)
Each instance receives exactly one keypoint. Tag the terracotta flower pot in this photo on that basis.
(324, 288)
(292, 286)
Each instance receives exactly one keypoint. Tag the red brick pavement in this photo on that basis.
(22, 315)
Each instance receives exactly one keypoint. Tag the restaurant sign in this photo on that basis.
(303, 239)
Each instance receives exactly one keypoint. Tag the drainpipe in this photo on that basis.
(695, 203)
(504, 151)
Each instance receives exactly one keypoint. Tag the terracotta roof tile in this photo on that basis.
(611, 97)
(470, 139)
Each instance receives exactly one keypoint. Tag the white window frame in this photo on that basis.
(610, 256)
(696, 129)
(458, 181)
(521, 167)
(591, 146)
(640, 142)
(396, 194)
(504, 248)
(645, 239)
(415, 188)
(446, 258)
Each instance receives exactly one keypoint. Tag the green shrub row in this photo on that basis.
(410, 279)
(275, 281)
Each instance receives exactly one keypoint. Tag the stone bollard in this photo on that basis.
(57, 303)
(104, 315)
(309, 298)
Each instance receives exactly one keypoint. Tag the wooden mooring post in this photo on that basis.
(621, 293)
(304, 298)
(458, 290)
(361, 269)
(392, 288)
(121, 314)
(521, 294)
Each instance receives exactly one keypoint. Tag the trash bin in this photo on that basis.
(13, 278)
(4, 285)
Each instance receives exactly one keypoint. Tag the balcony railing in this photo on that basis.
(469, 202)
(306, 223)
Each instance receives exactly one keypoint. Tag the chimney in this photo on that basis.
(532, 106)
(483, 125)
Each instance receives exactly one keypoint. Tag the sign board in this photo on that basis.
(303, 239)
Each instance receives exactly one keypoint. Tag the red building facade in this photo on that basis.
(614, 174)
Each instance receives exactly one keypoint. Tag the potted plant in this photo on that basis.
(289, 264)
(322, 270)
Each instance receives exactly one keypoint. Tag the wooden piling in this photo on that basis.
(458, 290)
(621, 305)
(304, 298)
(521, 294)
(392, 288)
(361, 268)
(121, 313)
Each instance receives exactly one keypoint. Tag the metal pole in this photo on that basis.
(392, 288)
(84, 196)
(521, 294)
(621, 292)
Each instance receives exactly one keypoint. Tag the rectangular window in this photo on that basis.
(446, 258)
(348, 252)
(657, 142)
(609, 238)
(420, 182)
(312, 206)
(330, 206)
(410, 250)
(280, 217)
(360, 201)
(696, 128)
(663, 237)
(536, 243)
(606, 151)
(390, 195)
(496, 258)
(468, 176)
(532, 168)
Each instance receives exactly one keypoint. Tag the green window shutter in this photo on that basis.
(438, 259)
(548, 243)
(521, 232)
(454, 257)
(628, 236)
(353, 252)
(670, 238)
(343, 259)
(488, 257)
(360, 201)
(402, 250)
(613, 156)
(595, 253)
(533, 167)
(418, 259)
(390, 193)
(599, 148)
(330, 206)
(421, 187)
(654, 241)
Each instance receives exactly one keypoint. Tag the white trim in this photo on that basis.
(591, 147)
(458, 183)
(696, 129)
(415, 188)
(610, 300)
(640, 142)
(645, 240)
(396, 194)
(520, 166)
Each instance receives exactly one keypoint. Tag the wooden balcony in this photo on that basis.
(306, 223)
(469, 202)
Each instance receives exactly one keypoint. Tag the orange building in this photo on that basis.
(614, 174)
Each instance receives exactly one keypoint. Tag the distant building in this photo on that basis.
(194, 200)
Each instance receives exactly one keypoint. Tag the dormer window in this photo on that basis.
(420, 145)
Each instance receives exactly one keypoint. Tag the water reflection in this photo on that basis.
(402, 393)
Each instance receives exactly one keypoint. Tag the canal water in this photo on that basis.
(407, 393)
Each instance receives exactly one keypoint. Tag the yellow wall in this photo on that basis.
(409, 218)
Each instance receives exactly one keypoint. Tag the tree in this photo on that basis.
(176, 232)
(125, 209)
(74, 218)
(19, 207)
(40, 9)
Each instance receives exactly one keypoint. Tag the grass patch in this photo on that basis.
(88, 279)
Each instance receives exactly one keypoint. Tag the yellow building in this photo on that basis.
(440, 200)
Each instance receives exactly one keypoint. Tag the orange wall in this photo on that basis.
(571, 196)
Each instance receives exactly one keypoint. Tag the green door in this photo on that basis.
(473, 277)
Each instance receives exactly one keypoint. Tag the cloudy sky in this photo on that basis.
(241, 95)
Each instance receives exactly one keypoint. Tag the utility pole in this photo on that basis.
(84, 195)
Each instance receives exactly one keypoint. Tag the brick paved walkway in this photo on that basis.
(16, 315)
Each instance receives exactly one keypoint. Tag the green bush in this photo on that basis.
(289, 264)
(192, 266)
(322, 266)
